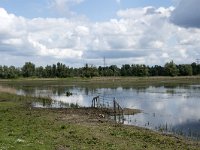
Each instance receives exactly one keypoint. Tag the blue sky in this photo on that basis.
(76, 32)
(106, 9)
(95, 10)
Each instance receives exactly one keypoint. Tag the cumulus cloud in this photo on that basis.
(37, 36)
(138, 35)
(187, 14)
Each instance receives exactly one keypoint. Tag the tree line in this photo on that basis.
(60, 70)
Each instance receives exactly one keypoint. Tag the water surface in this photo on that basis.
(173, 109)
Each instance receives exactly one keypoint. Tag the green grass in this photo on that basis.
(104, 81)
(22, 127)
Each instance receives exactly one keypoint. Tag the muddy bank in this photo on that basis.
(88, 113)
(82, 115)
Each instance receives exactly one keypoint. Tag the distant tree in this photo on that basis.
(185, 70)
(40, 72)
(5, 72)
(156, 71)
(89, 71)
(108, 71)
(75, 72)
(54, 70)
(9, 72)
(171, 69)
(62, 71)
(126, 70)
(59, 69)
(13, 72)
(195, 68)
(28, 70)
(1, 72)
(48, 72)
(101, 71)
(115, 70)
(139, 70)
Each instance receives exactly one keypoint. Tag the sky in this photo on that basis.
(76, 32)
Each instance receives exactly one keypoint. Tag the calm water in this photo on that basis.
(169, 109)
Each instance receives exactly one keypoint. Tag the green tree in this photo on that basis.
(40, 72)
(89, 71)
(5, 72)
(195, 68)
(48, 72)
(1, 72)
(61, 70)
(115, 70)
(13, 72)
(9, 72)
(171, 69)
(126, 70)
(28, 70)
(54, 70)
(139, 70)
(156, 71)
(185, 70)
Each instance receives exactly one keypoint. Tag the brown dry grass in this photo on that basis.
(7, 90)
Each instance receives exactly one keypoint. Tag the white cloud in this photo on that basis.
(139, 35)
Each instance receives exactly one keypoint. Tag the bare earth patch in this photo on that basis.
(82, 116)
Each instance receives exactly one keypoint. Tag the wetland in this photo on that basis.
(171, 108)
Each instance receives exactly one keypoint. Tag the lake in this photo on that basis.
(170, 109)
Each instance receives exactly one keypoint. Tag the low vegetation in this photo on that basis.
(104, 82)
(24, 127)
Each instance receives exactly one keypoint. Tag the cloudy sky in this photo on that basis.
(76, 32)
